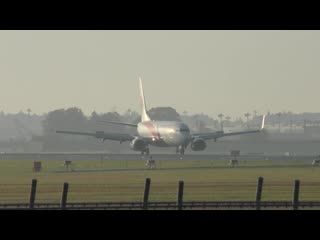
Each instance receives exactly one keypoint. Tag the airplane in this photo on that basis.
(161, 133)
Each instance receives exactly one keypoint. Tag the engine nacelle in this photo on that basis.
(198, 144)
(138, 144)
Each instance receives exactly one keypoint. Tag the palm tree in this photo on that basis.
(221, 122)
(255, 113)
(228, 119)
(247, 115)
(279, 115)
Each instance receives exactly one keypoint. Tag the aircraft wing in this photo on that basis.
(121, 123)
(122, 137)
(219, 134)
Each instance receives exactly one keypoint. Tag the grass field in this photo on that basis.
(110, 180)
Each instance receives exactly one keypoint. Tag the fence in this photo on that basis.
(51, 196)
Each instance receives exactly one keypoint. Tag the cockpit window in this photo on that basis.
(184, 130)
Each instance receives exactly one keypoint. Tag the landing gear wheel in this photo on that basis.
(177, 150)
(145, 151)
(181, 150)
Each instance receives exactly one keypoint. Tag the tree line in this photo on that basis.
(26, 126)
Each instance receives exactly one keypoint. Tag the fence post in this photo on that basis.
(259, 192)
(180, 195)
(146, 193)
(64, 196)
(296, 194)
(33, 193)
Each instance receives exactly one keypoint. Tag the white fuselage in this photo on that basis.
(164, 133)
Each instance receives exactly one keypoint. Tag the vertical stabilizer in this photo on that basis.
(144, 115)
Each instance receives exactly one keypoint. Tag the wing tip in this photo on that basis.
(263, 119)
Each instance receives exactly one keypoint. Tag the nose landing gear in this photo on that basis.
(180, 149)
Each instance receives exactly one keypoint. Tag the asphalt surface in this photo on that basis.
(136, 156)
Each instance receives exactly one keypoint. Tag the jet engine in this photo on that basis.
(138, 144)
(198, 144)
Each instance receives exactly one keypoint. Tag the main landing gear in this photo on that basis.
(180, 149)
(145, 151)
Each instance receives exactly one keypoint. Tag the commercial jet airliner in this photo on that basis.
(161, 133)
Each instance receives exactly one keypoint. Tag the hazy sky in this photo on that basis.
(198, 71)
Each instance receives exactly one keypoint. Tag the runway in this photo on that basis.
(137, 156)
